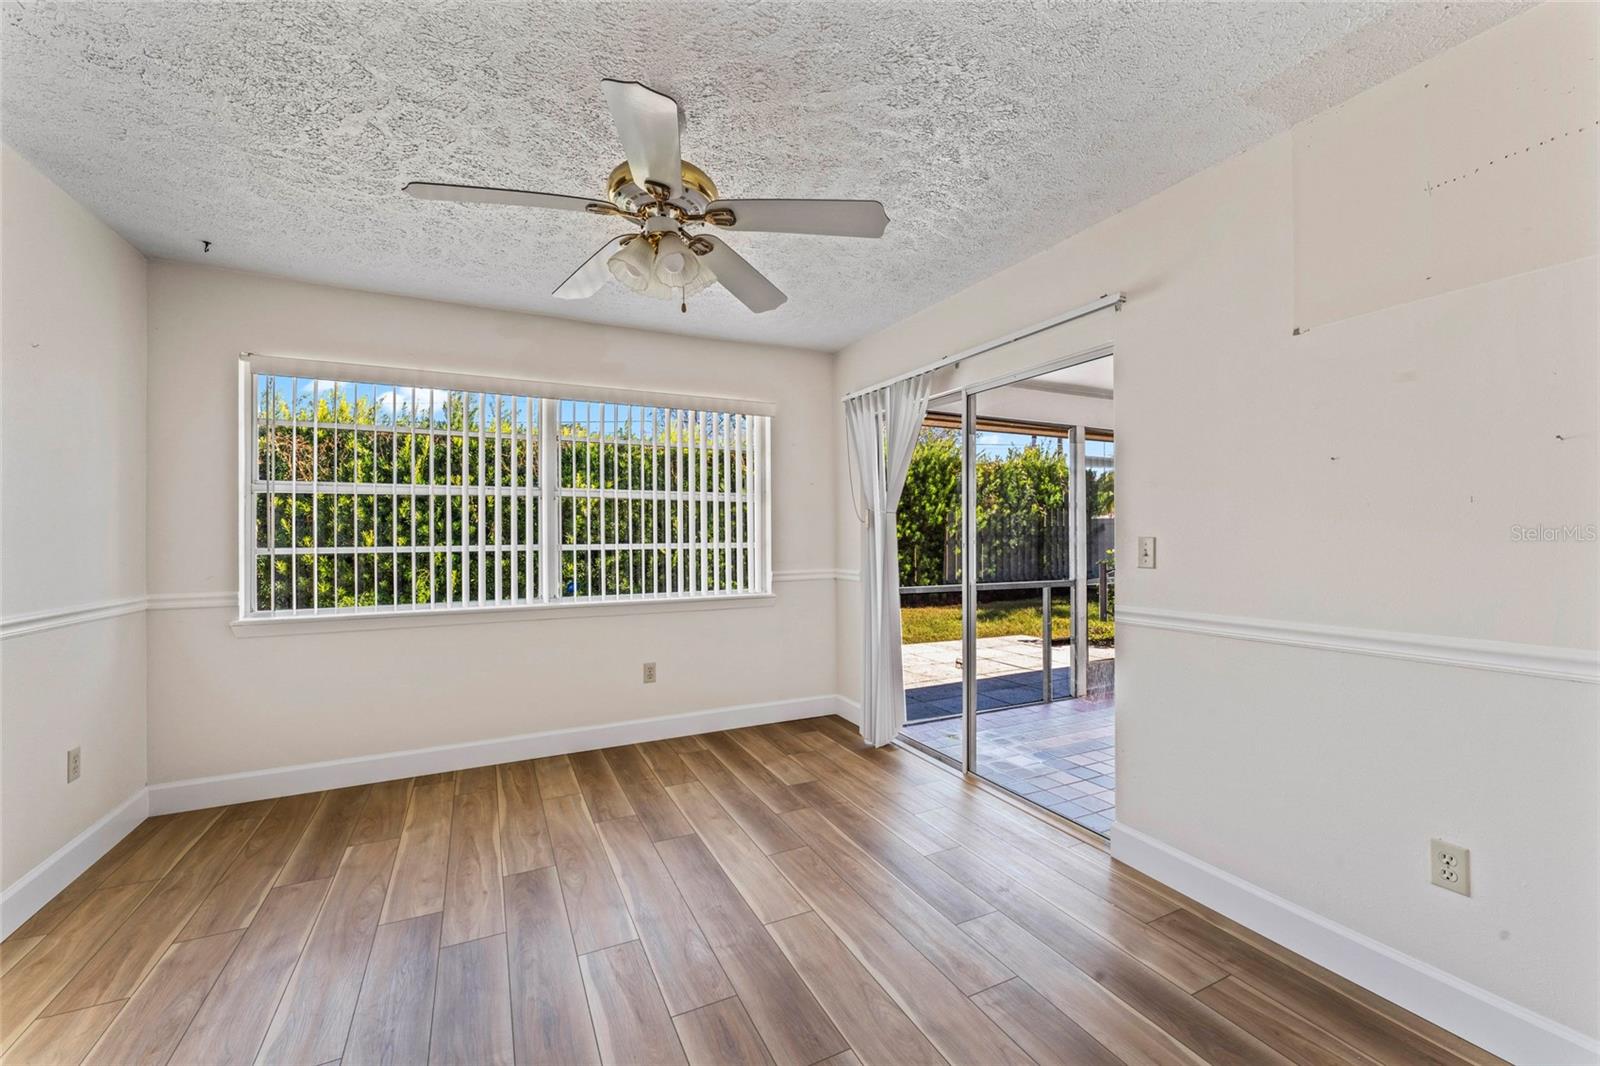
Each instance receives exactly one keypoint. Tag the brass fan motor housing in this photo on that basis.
(618, 191)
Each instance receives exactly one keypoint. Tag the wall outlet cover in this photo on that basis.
(649, 673)
(74, 764)
(1449, 866)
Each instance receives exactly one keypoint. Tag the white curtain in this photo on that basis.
(882, 427)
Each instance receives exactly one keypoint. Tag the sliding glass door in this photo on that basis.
(1015, 475)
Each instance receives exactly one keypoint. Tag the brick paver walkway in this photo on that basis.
(1060, 755)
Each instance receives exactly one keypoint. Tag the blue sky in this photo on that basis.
(635, 421)
(991, 445)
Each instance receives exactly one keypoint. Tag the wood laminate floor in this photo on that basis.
(778, 894)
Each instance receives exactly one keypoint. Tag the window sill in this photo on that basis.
(354, 620)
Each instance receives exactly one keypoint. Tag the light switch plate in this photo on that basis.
(1147, 553)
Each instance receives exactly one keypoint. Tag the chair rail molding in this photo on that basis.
(1532, 660)
(81, 614)
(18, 625)
(814, 575)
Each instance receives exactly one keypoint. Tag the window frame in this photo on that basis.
(547, 495)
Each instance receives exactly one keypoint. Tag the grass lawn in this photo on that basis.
(1003, 618)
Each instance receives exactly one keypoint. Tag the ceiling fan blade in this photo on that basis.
(739, 277)
(591, 276)
(647, 124)
(829, 218)
(478, 194)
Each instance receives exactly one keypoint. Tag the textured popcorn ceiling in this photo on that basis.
(282, 132)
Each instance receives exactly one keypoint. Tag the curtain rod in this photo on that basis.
(1113, 300)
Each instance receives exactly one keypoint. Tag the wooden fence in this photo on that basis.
(1027, 547)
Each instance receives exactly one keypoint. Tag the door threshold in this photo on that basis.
(1048, 817)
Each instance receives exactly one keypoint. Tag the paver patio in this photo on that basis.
(1010, 672)
(1060, 755)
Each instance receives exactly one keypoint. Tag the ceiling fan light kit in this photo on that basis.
(673, 203)
(663, 267)
(631, 266)
(676, 266)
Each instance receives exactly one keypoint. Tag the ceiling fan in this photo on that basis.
(672, 202)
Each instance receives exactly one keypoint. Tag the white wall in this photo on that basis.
(72, 529)
(1365, 474)
(222, 703)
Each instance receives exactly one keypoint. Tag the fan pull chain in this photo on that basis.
(683, 304)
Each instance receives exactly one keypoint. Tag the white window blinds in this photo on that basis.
(383, 491)
(659, 501)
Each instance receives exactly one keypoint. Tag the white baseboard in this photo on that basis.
(1493, 1023)
(849, 710)
(39, 885)
(202, 792)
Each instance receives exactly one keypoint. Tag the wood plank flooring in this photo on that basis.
(771, 895)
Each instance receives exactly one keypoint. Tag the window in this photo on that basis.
(656, 501)
(392, 497)
(423, 493)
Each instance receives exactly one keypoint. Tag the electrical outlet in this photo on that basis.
(649, 673)
(1448, 866)
(1147, 553)
(74, 764)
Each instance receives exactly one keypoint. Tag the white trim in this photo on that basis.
(201, 792)
(1049, 366)
(40, 885)
(1534, 660)
(331, 623)
(710, 453)
(1475, 1014)
(1113, 300)
(814, 575)
(351, 620)
(245, 459)
(848, 709)
(58, 618)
